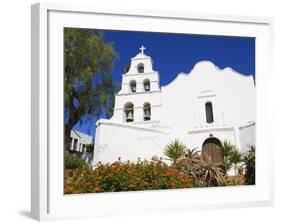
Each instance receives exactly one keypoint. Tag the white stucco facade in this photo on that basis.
(146, 118)
(79, 141)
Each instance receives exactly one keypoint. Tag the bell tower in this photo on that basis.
(139, 99)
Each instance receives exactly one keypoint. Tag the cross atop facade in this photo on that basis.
(142, 49)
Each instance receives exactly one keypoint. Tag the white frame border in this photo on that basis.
(39, 110)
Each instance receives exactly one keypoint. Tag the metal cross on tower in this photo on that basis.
(142, 49)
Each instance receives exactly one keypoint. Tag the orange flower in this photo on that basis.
(87, 184)
(97, 189)
(170, 173)
(173, 184)
(68, 190)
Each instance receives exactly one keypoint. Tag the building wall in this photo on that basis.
(247, 136)
(178, 111)
(128, 142)
(233, 97)
(82, 140)
(195, 139)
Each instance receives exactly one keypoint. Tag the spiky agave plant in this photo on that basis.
(191, 153)
(187, 163)
(174, 150)
(212, 173)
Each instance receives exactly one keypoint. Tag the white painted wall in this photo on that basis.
(128, 141)
(140, 97)
(179, 110)
(232, 95)
(247, 136)
(81, 140)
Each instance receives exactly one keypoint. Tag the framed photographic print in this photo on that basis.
(148, 111)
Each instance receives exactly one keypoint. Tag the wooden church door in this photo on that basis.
(210, 151)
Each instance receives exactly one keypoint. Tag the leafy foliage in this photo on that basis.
(88, 63)
(174, 150)
(125, 176)
(90, 147)
(204, 172)
(188, 163)
(235, 157)
(189, 169)
(225, 149)
(201, 172)
(249, 161)
(211, 174)
(71, 161)
(230, 155)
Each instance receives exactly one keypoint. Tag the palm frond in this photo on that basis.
(174, 150)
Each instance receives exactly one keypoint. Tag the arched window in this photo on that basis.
(133, 86)
(209, 112)
(129, 112)
(146, 85)
(140, 68)
(146, 112)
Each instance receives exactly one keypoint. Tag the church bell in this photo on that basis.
(134, 89)
(146, 87)
(130, 116)
(147, 114)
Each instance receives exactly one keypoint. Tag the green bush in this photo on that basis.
(202, 172)
(90, 148)
(72, 162)
(125, 176)
(188, 169)
(249, 161)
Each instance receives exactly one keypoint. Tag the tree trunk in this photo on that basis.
(74, 116)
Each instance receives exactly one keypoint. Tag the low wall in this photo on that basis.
(128, 142)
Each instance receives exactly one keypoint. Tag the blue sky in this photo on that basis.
(175, 53)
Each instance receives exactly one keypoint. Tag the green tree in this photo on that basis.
(235, 158)
(250, 161)
(90, 147)
(126, 69)
(88, 64)
(175, 150)
(225, 149)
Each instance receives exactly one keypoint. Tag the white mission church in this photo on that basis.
(201, 109)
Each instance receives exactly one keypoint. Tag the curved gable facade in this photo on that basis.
(208, 103)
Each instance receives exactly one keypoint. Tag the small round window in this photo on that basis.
(140, 68)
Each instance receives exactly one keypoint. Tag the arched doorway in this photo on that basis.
(210, 151)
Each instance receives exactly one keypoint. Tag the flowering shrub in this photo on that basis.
(71, 161)
(125, 176)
